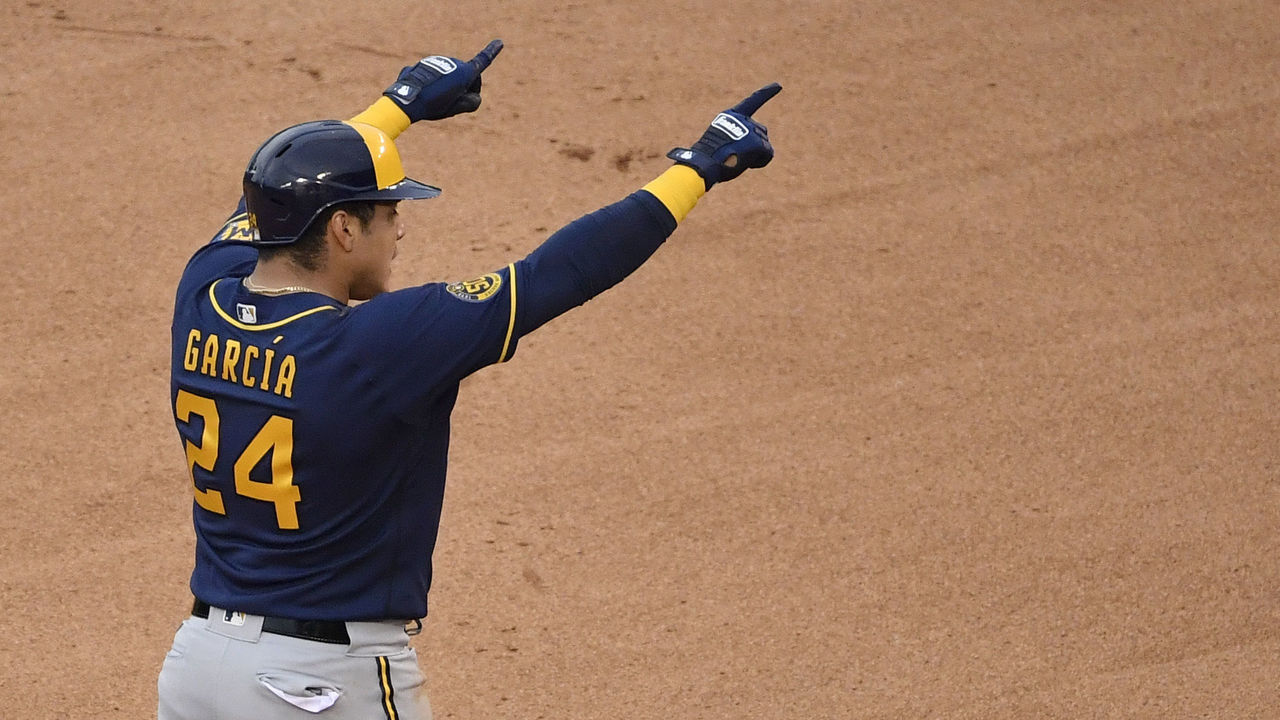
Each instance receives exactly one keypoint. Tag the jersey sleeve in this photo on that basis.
(588, 256)
(228, 253)
(418, 343)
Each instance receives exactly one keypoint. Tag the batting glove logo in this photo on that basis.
(440, 64)
(730, 125)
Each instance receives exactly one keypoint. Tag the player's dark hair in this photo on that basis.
(308, 250)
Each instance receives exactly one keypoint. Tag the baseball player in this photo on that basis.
(316, 431)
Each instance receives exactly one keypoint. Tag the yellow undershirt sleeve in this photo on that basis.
(386, 116)
(679, 188)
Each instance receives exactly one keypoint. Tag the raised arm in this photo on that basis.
(598, 250)
(434, 88)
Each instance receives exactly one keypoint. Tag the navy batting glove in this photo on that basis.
(438, 87)
(733, 142)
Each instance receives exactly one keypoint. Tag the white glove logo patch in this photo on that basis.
(440, 64)
(730, 125)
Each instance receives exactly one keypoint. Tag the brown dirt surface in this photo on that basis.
(965, 407)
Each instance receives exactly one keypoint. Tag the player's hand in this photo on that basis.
(438, 87)
(733, 142)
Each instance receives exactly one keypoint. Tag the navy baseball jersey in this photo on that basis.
(317, 434)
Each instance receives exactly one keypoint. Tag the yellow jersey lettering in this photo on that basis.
(240, 362)
(269, 356)
(275, 437)
(230, 356)
(250, 353)
(205, 454)
(210, 364)
(284, 381)
(238, 228)
(191, 357)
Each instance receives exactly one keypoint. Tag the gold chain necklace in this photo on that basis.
(254, 287)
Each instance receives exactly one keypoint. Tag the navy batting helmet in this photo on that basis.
(304, 169)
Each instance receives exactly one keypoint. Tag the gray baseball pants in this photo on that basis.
(225, 668)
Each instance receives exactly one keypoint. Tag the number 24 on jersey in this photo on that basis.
(275, 436)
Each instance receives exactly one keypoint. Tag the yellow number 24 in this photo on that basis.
(276, 437)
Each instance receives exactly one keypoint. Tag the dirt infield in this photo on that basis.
(965, 407)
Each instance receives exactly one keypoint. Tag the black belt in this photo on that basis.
(325, 631)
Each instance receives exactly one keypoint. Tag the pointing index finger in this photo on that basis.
(758, 98)
(486, 56)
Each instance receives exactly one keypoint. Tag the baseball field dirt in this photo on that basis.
(965, 407)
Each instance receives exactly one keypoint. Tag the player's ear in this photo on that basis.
(340, 228)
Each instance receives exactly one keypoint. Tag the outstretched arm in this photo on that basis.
(464, 326)
(595, 252)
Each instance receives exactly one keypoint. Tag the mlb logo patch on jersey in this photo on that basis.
(247, 313)
(477, 290)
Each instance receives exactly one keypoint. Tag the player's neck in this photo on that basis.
(280, 276)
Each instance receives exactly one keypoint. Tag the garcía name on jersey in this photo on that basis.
(247, 364)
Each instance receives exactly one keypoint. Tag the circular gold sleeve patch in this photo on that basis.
(477, 290)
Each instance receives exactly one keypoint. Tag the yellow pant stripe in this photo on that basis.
(388, 694)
